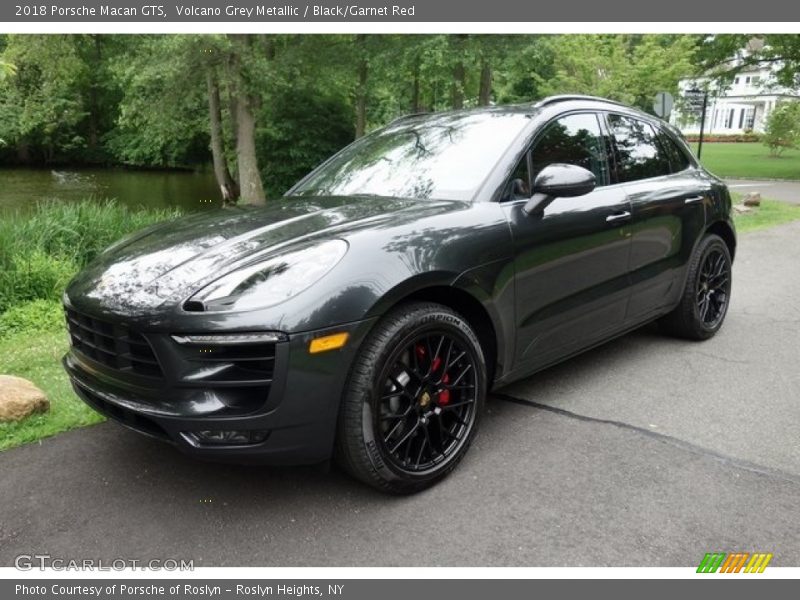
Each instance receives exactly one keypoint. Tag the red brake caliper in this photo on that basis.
(442, 397)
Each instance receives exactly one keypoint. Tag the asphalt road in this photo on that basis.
(785, 191)
(647, 451)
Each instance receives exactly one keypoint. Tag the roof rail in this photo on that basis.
(410, 115)
(566, 97)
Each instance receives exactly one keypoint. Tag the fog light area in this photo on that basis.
(227, 437)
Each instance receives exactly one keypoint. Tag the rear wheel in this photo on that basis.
(707, 294)
(413, 400)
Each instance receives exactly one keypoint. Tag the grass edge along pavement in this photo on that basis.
(33, 337)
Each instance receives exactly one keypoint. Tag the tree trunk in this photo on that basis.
(485, 91)
(457, 91)
(416, 106)
(94, 103)
(459, 74)
(251, 188)
(361, 88)
(23, 152)
(224, 179)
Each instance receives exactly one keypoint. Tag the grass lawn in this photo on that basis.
(37, 356)
(749, 161)
(769, 214)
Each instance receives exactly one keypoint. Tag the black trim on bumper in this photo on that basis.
(299, 416)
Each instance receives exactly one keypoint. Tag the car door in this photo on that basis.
(668, 199)
(571, 261)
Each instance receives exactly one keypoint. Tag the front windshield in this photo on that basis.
(441, 157)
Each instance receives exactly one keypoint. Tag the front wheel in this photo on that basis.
(707, 294)
(413, 399)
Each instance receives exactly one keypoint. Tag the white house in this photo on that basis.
(740, 107)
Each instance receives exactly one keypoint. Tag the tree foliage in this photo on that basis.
(723, 56)
(275, 105)
(628, 68)
(782, 128)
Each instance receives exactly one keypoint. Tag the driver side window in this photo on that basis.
(575, 140)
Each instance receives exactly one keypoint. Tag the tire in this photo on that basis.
(706, 295)
(408, 413)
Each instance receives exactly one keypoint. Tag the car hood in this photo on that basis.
(165, 263)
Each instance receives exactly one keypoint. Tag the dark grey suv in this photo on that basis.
(366, 314)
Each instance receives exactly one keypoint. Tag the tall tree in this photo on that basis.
(485, 89)
(251, 188)
(459, 84)
(43, 108)
(630, 69)
(362, 72)
(725, 55)
(228, 188)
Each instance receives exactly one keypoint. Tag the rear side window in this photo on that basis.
(677, 157)
(574, 140)
(639, 154)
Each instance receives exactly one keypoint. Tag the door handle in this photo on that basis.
(693, 199)
(620, 216)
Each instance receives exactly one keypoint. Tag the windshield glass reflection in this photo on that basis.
(444, 157)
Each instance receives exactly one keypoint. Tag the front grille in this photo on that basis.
(113, 345)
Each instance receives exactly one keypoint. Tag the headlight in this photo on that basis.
(269, 282)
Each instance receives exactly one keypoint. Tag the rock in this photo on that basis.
(20, 398)
(741, 208)
(752, 199)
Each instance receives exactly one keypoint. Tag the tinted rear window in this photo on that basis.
(639, 154)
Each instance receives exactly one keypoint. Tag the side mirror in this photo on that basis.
(559, 180)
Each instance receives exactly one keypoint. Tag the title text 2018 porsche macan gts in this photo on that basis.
(365, 315)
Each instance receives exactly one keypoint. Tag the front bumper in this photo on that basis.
(294, 410)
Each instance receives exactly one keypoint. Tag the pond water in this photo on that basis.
(191, 191)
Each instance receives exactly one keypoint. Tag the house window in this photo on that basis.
(755, 79)
(747, 79)
(736, 80)
(741, 118)
(750, 119)
(729, 122)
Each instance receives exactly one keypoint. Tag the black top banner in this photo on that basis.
(465, 11)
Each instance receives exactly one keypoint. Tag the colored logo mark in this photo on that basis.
(736, 562)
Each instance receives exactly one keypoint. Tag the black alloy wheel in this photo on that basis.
(413, 400)
(706, 295)
(428, 393)
(713, 287)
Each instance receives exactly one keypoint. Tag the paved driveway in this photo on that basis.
(785, 191)
(647, 451)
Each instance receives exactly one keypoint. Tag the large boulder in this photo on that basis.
(752, 199)
(20, 398)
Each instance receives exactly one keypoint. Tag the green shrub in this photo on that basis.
(34, 275)
(742, 138)
(40, 250)
(33, 317)
(782, 129)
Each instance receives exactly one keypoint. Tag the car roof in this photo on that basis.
(560, 102)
